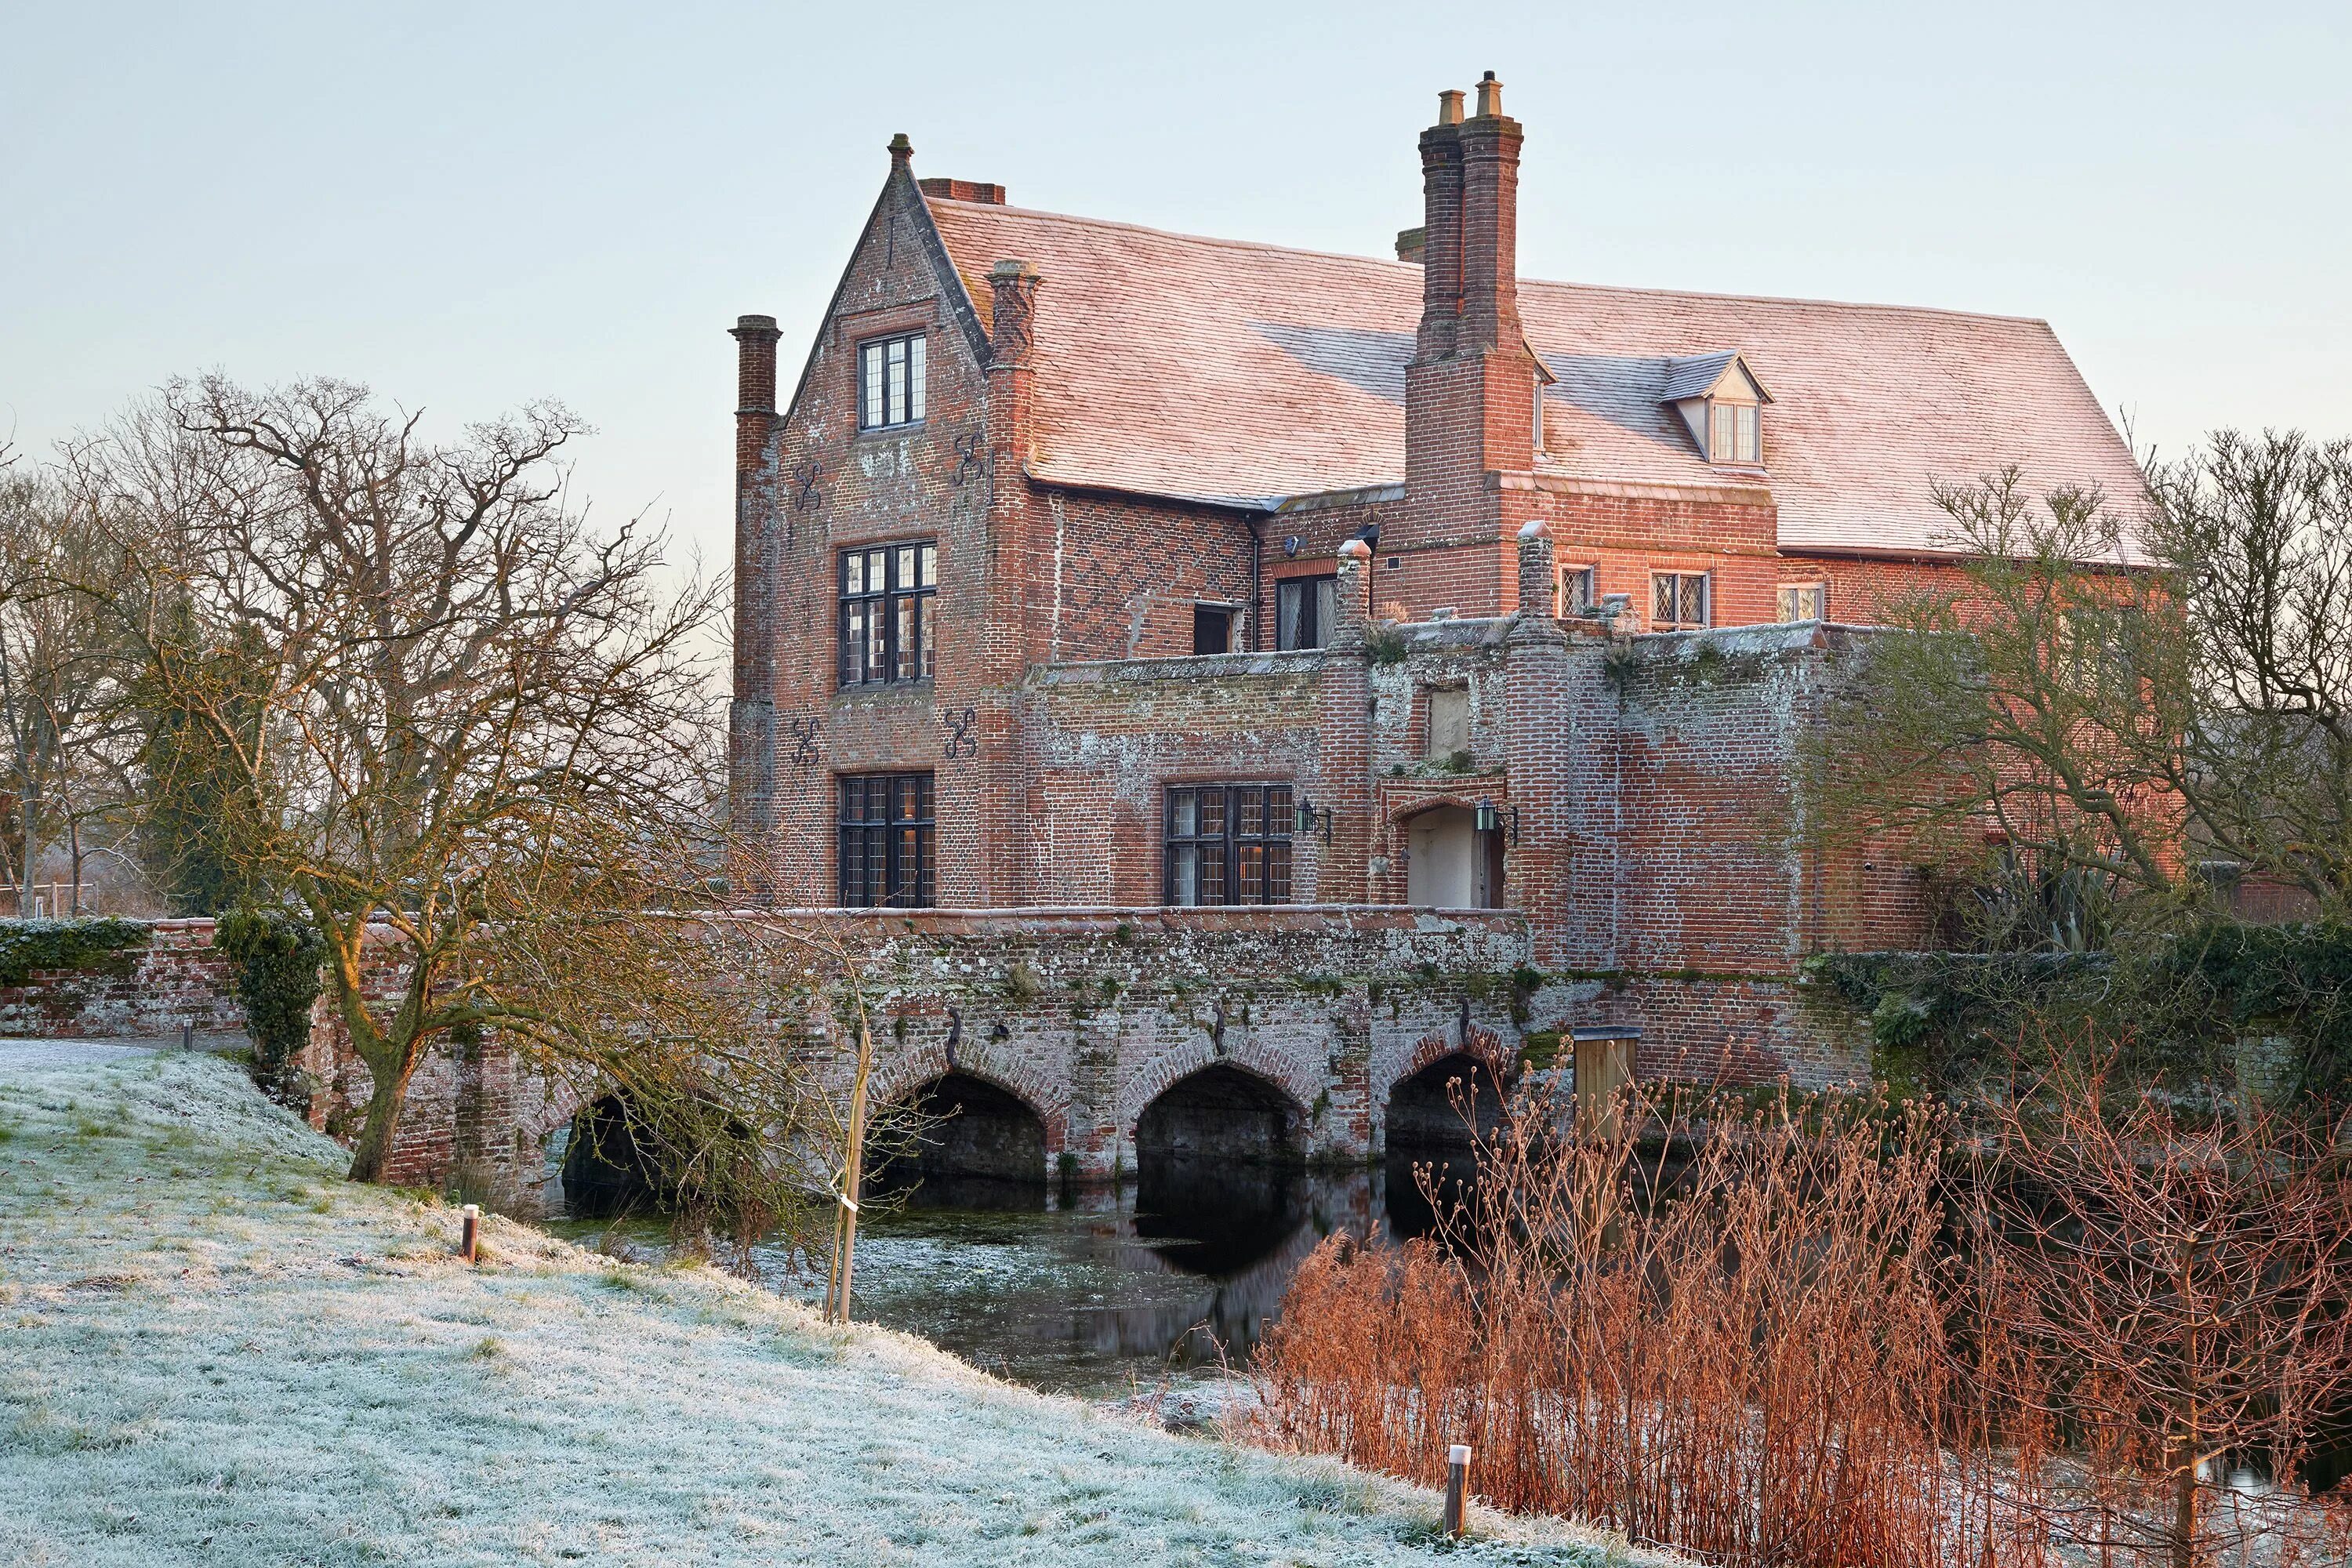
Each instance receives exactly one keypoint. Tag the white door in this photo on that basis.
(1442, 858)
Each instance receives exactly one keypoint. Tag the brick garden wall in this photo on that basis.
(175, 980)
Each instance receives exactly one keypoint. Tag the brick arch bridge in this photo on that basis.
(1085, 1016)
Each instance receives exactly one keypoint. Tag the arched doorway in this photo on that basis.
(1449, 863)
(1436, 1118)
(605, 1173)
(977, 1146)
(1218, 1157)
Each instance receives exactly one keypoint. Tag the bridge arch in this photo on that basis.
(973, 1128)
(605, 1172)
(1447, 1099)
(1224, 1114)
(1443, 1106)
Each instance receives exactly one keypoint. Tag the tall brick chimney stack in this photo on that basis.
(752, 717)
(755, 387)
(1490, 225)
(1013, 303)
(1470, 391)
(1441, 253)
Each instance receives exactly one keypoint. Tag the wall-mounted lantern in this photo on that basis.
(1310, 816)
(1491, 818)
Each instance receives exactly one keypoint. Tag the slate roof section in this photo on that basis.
(1696, 375)
(1246, 375)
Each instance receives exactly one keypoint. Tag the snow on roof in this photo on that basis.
(1246, 375)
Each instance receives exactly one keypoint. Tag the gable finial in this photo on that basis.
(902, 152)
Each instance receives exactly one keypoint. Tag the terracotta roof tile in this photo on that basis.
(1218, 371)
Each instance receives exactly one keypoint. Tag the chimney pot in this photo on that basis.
(1449, 106)
(1490, 98)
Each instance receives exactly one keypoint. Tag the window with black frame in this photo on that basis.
(885, 841)
(1228, 844)
(890, 376)
(1304, 611)
(885, 613)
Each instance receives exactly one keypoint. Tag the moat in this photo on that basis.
(1102, 1292)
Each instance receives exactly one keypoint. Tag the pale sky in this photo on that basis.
(469, 206)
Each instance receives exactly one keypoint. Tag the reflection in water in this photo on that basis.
(1099, 1290)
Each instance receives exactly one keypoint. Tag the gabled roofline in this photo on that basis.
(900, 183)
(1731, 359)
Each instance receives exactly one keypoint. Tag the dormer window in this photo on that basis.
(1722, 403)
(1731, 433)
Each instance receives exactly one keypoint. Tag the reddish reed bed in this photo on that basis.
(1782, 1333)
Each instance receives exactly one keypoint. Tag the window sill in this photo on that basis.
(876, 689)
(887, 432)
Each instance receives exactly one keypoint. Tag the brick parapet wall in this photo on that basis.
(175, 980)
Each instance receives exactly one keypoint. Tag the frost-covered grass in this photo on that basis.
(214, 1350)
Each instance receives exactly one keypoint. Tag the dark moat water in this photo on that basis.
(1096, 1292)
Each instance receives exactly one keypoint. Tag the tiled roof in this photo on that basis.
(1212, 370)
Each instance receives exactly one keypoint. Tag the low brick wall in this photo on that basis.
(175, 980)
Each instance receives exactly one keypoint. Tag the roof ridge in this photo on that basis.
(1165, 233)
(1385, 263)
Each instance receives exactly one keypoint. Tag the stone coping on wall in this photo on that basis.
(1306, 920)
(1292, 662)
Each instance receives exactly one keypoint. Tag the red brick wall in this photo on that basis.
(175, 979)
(1026, 576)
(1127, 571)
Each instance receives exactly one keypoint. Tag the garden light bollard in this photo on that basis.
(469, 1239)
(1457, 1487)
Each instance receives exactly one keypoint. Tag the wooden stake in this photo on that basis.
(469, 1239)
(1457, 1484)
(845, 1230)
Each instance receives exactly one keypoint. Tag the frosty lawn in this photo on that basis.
(213, 1349)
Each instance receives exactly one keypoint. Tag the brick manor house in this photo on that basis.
(1093, 566)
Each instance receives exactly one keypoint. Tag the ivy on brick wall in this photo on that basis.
(2184, 1001)
(2289, 981)
(102, 946)
(276, 956)
(1937, 1019)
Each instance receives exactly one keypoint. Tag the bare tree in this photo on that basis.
(735, 1043)
(63, 673)
(444, 702)
(2113, 700)
(2256, 536)
(2174, 1302)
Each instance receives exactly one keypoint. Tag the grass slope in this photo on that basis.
(213, 1349)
